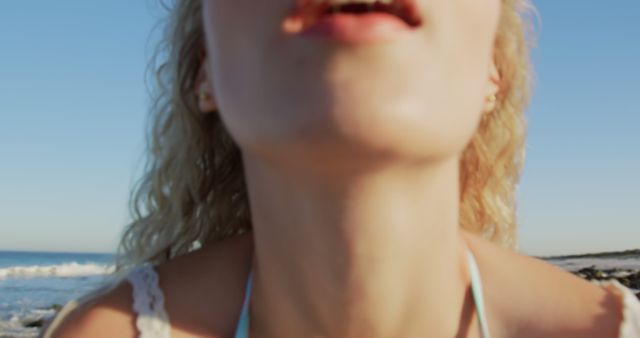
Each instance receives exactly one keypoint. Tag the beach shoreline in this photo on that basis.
(48, 281)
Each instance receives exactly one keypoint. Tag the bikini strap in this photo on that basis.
(242, 330)
(476, 289)
(148, 303)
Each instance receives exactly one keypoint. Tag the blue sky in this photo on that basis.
(73, 109)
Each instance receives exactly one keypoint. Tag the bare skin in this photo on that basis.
(351, 163)
(206, 302)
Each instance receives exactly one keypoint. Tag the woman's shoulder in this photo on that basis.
(630, 327)
(97, 314)
(539, 299)
(202, 291)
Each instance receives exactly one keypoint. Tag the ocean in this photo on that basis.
(32, 284)
(629, 262)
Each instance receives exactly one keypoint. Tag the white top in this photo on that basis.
(148, 303)
(152, 319)
(630, 326)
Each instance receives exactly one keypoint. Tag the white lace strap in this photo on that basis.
(148, 303)
(630, 325)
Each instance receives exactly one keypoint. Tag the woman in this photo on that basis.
(344, 170)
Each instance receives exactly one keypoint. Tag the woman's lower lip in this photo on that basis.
(357, 28)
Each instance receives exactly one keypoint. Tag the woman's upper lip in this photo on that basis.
(306, 12)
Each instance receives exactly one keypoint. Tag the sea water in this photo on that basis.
(631, 262)
(32, 283)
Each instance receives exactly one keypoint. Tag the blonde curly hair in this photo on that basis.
(194, 193)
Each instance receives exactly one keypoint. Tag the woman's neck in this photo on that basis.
(372, 254)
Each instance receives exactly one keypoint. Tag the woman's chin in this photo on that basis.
(357, 141)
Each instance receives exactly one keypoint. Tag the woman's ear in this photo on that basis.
(493, 88)
(203, 89)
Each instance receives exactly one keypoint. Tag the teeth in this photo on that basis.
(335, 4)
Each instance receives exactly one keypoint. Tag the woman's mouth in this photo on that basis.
(352, 21)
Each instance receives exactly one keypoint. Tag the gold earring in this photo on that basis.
(492, 98)
(204, 96)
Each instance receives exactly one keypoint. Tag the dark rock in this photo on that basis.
(39, 322)
(590, 273)
(34, 323)
(626, 277)
(54, 307)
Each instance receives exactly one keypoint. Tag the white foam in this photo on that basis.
(62, 270)
(13, 327)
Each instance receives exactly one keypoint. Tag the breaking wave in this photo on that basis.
(60, 271)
